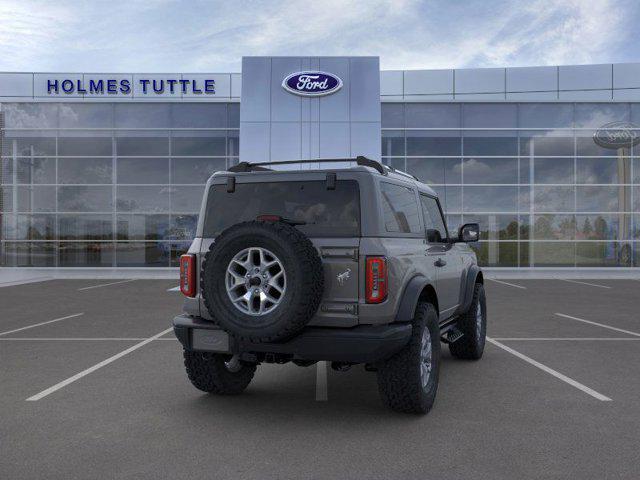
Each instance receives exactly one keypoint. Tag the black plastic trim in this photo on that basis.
(360, 344)
(410, 297)
(363, 161)
(231, 184)
(470, 282)
(331, 181)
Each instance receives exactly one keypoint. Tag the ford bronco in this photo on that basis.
(348, 265)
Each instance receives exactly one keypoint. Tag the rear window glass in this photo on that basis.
(326, 213)
(400, 209)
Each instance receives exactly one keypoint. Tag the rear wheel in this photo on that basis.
(217, 373)
(408, 381)
(473, 325)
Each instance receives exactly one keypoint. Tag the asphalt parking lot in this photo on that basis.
(93, 386)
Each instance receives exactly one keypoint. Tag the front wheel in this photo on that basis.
(218, 373)
(408, 381)
(473, 325)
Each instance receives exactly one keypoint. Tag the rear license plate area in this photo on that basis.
(210, 340)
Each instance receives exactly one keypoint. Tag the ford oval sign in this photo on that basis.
(312, 83)
(617, 135)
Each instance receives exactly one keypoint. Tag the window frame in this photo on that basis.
(447, 239)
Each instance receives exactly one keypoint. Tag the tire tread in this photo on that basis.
(398, 377)
(311, 281)
(469, 347)
(207, 372)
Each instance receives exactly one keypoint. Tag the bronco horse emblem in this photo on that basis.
(343, 277)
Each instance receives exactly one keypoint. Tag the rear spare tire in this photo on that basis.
(262, 281)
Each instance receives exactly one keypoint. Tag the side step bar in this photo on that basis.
(452, 335)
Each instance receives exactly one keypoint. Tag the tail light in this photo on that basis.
(188, 275)
(376, 280)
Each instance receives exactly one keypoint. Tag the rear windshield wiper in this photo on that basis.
(278, 218)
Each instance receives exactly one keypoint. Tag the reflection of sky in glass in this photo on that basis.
(169, 211)
(85, 170)
(603, 170)
(596, 115)
(546, 143)
(489, 170)
(143, 199)
(142, 170)
(55, 172)
(490, 199)
(554, 199)
(30, 115)
(601, 199)
(553, 170)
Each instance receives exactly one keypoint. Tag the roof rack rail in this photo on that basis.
(405, 174)
(261, 166)
(401, 172)
(247, 167)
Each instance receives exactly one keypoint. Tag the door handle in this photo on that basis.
(439, 263)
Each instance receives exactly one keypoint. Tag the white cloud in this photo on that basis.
(537, 32)
(25, 30)
(213, 36)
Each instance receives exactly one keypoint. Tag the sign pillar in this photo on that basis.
(303, 108)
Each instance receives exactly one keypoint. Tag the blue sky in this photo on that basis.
(191, 36)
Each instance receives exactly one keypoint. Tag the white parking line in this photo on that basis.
(507, 283)
(551, 371)
(321, 382)
(88, 339)
(561, 339)
(584, 283)
(174, 289)
(15, 283)
(89, 370)
(599, 324)
(42, 323)
(107, 284)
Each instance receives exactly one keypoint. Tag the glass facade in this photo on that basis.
(108, 184)
(543, 191)
(111, 184)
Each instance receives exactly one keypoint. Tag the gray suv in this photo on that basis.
(348, 265)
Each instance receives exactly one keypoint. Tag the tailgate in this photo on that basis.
(340, 260)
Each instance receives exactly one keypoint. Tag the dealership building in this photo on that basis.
(108, 170)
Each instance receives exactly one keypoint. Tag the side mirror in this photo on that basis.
(469, 232)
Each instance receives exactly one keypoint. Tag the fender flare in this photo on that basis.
(409, 300)
(469, 285)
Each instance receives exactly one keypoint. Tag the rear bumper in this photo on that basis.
(360, 344)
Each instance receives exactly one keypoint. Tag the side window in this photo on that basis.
(400, 209)
(434, 223)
